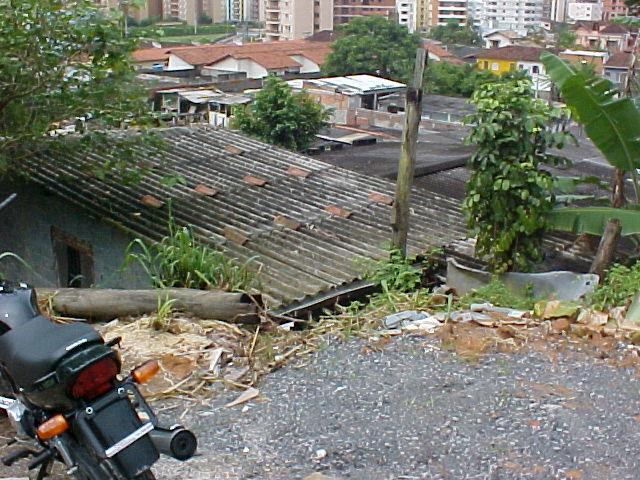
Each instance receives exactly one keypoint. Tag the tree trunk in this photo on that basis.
(607, 248)
(609, 241)
(107, 304)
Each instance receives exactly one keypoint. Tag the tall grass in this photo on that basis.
(180, 260)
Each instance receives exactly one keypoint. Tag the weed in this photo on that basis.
(180, 260)
(620, 284)
(163, 315)
(395, 273)
(496, 293)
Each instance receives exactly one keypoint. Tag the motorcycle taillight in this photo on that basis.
(95, 380)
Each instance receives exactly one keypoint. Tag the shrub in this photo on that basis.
(180, 260)
(619, 285)
(508, 195)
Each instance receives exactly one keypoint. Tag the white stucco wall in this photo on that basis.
(306, 65)
(176, 63)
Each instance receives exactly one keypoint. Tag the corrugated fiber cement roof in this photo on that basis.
(305, 221)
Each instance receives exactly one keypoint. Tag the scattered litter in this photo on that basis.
(396, 320)
(248, 394)
(321, 453)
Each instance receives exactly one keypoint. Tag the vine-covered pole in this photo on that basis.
(406, 165)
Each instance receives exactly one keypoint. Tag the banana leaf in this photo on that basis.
(613, 124)
(593, 219)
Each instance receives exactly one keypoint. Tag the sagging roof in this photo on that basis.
(303, 221)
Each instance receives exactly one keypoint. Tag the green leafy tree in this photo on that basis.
(457, 80)
(373, 45)
(508, 196)
(565, 38)
(60, 60)
(282, 117)
(454, 33)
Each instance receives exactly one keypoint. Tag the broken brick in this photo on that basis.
(337, 211)
(298, 172)
(235, 236)
(205, 190)
(255, 181)
(151, 201)
(380, 198)
(233, 149)
(287, 222)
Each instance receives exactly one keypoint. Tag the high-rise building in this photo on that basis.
(406, 11)
(446, 11)
(587, 11)
(345, 10)
(516, 15)
(558, 11)
(295, 19)
(614, 8)
(422, 15)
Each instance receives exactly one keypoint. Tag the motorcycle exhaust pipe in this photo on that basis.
(177, 442)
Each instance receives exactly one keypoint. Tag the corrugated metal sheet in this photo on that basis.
(306, 226)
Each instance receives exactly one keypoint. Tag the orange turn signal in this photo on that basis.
(146, 371)
(52, 427)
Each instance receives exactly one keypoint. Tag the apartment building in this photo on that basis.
(517, 15)
(345, 10)
(406, 11)
(295, 19)
(614, 8)
(445, 11)
(587, 11)
(558, 11)
(189, 11)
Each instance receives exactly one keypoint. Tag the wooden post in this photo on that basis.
(407, 162)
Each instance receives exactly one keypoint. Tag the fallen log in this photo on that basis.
(107, 304)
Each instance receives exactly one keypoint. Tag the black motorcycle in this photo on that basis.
(62, 388)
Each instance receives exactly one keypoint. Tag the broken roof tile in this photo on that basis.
(298, 172)
(206, 190)
(380, 198)
(151, 201)
(286, 222)
(235, 236)
(255, 181)
(337, 211)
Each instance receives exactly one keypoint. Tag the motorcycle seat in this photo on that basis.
(32, 350)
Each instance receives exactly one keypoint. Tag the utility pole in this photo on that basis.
(407, 162)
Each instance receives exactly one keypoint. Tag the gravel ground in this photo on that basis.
(412, 411)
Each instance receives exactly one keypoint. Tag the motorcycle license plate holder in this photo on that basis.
(116, 433)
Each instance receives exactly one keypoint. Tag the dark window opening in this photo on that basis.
(74, 260)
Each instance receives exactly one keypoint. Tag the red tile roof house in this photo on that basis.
(256, 60)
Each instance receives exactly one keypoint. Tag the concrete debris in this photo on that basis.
(412, 321)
